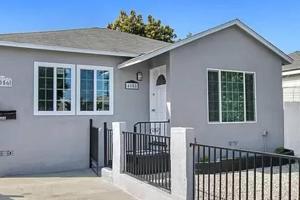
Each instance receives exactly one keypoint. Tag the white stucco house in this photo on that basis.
(225, 82)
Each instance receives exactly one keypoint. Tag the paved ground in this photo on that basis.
(58, 186)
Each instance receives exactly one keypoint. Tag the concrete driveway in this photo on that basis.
(69, 185)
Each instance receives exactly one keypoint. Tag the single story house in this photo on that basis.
(224, 82)
(291, 100)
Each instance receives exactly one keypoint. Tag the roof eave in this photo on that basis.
(66, 49)
(285, 58)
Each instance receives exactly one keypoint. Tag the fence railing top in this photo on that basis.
(149, 122)
(149, 135)
(248, 151)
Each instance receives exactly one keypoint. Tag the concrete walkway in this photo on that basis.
(70, 185)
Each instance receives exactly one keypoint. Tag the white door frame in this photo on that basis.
(161, 70)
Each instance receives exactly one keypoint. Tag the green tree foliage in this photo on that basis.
(134, 24)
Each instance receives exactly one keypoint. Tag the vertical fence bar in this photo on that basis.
(271, 178)
(91, 127)
(193, 149)
(203, 178)
(280, 178)
(220, 175)
(247, 176)
(208, 180)
(232, 191)
(290, 179)
(214, 168)
(298, 161)
(105, 144)
(198, 172)
(262, 176)
(240, 175)
(254, 178)
(226, 176)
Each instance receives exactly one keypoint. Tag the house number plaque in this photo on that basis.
(131, 85)
(5, 82)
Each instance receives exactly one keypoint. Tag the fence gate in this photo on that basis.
(94, 148)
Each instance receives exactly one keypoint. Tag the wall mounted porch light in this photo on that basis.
(139, 76)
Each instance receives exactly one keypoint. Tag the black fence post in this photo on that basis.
(105, 144)
(134, 128)
(91, 126)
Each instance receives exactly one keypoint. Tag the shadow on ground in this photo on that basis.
(9, 197)
(67, 174)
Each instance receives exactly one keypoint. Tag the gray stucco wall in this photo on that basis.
(228, 49)
(56, 143)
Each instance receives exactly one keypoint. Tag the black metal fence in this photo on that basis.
(108, 146)
(94, 148)
(161, 128)
(224, 173)
(147, 157)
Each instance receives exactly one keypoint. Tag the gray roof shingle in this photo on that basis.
(101, 39)
(295, 64)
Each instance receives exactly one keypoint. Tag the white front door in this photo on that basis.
(158, 94)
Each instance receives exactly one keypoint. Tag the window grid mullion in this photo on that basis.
(220, 96)
(55, 89)
(244, 88)
(95, 90)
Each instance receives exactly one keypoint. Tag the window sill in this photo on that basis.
(53, 113)
(223, 123)
(95, 113)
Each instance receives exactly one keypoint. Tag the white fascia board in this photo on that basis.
(64, 49)
(236, 22)
(293, 72)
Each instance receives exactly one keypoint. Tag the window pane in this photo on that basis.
(250, 97)
(63, 91)
(86, 90)
(45, 85)
(232, 95)
(213, 96)
(102, 100)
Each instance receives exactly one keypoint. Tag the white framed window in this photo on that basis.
(231, 96)
(54, 89)
(94, 90)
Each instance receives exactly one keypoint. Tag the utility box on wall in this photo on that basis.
(8, 115)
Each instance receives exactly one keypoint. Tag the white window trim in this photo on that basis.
(36, 88)
(111, 97)
(220, 102)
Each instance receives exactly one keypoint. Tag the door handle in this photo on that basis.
(153, 110)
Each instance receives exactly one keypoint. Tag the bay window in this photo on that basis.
(231, 96)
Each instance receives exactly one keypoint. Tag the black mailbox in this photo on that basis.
(8, 114)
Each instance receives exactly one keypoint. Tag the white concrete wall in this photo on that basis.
(292, 126)
(181, 156)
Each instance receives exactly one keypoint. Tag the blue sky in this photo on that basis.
(277, 21)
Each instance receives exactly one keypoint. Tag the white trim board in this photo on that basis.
(286, 59)
(292, 72)
(65, 49)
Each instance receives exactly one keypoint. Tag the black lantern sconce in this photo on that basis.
(139, 76)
